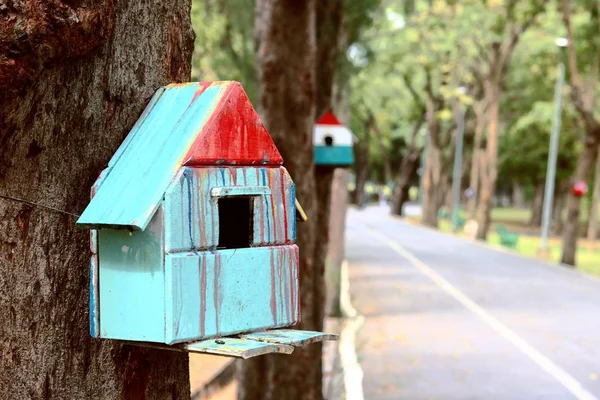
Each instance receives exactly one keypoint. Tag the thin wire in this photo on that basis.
(16, 199)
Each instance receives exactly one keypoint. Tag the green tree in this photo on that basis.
(584, 65)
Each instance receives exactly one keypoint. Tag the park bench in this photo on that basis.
(507, 239)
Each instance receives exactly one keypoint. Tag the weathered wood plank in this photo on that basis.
(291, 337)
(240, 191)
(233, 347)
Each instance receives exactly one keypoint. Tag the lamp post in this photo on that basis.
(553, 153)
(458, 155)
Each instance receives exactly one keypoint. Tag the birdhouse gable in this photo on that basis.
(194, 124)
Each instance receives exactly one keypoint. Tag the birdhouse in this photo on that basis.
(579, 189)
(193, 225)
(332, 142)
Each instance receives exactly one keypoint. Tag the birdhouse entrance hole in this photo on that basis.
(235, 222)
(328, 140)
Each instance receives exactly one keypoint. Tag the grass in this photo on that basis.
(588, 256)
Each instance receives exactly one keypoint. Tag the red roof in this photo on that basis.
(233, 134)
(328, 119)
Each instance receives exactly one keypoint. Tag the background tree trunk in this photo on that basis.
(339, 205)
(289, 100)
(489, 170)
(560, 195)
(408, 169)
(474, 176)
(585, 164)
(592, 232)
(518, 196)
(78, 87)
(434, 185)
(336, 250)
(537, 205)
(361, 169)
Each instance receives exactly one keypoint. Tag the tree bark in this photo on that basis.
(408, 170)
(336, 251)
(489, 170)
(435, 184)
(361, 169)
(75, 82)
(474, 178)
(518, 196)
(339, 204)
(582, 94)
(560, 195)
(592, 232)
(585, 164)
(537, 205)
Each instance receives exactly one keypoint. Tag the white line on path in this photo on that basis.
(562, 376)
(353, 374)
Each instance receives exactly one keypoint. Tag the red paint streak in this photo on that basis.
(285, 210)
(233, 134)
(274, 219)
(273, 295)
(203, 296)
(216, 297)
(201, 88)
(233, 173)
(328, 119)
(245, 178)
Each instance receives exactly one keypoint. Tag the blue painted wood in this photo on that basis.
(131, 290)
(333, 155)
(234, 347)
(192, 215)
(231, 291)
(142, 171)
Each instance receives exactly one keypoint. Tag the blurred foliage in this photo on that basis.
(388, 49)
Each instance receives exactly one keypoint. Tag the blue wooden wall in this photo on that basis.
(192, 216)
(230, 291)
(131, 283)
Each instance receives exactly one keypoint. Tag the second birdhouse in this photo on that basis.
(193, 229)
(332, 142)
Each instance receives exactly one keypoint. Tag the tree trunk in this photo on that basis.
(83, 74)
(489, 170)
(585, 164)
(518, 196)
(336, 251)
(361, 169)
(408, 170)
(435, 184)
(592, 232)
(560, 195)
(286, 58)
(475, 178)
(339, 205)
(537, 205)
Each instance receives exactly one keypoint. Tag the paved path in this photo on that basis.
(449, 319)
